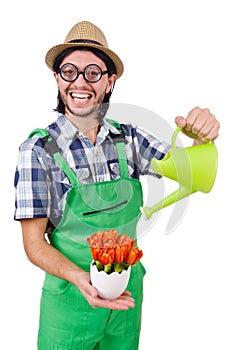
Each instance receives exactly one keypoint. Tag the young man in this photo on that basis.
(61, 202)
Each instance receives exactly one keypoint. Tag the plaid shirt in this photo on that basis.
(41, 186)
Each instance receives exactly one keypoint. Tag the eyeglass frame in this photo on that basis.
(82, 72)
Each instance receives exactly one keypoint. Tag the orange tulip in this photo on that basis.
(118, 254)
(113, 251)
(126, 249)
(124, 239)
(94, 241)
(134, 256)
(95, 253)
(109, 238)
(103, 239)
(107, 256)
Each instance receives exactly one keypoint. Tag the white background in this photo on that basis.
(177, 54)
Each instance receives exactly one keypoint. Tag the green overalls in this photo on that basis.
(67, 321)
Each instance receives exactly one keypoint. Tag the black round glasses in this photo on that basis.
(92, 73)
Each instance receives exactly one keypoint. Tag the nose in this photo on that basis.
(79, 74)
(80, 79)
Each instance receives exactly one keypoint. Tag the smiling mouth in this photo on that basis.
(80, 97)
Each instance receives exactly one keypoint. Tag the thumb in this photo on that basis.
(180, 121)
(93, 292)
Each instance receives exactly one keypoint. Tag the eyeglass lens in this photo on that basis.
(92, 72)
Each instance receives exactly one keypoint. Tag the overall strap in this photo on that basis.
(52, 148)
(120, 141)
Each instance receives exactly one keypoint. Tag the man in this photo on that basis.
(66, 181)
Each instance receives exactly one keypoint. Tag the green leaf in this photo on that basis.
(107, 268)
(119, 267)
(99, 265)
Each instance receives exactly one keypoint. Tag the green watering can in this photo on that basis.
(193, 167)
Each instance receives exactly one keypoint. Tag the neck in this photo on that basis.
(89, 126)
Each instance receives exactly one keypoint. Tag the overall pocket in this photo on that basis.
(133, 319)
(110, 208)
(55, 285)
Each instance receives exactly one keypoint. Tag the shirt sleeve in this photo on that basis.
(32, 195)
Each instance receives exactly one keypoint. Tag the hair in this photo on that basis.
(110, 67)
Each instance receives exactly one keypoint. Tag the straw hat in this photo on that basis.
(88, 35)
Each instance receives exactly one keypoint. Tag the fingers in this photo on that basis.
(121, 303)
(180, 121)
(200, 124)
(124, 302)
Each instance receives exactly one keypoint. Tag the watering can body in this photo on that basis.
(194, 168)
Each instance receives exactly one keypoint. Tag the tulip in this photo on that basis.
(107, 256)
(134, 256)
(112, 252)
(124, 239)
(109, 238)
(126, 248)
(96, 252)
(118, 254)
(103, 239)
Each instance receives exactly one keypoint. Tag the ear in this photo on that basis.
(111, 82)
(56, 76)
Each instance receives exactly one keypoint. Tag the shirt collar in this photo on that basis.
(69, 131)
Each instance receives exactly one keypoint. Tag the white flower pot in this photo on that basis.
(109, 286)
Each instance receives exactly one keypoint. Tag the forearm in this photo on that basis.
(49, 259)
(45, 256)
(52, 261)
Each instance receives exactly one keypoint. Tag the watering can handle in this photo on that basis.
(174, 136)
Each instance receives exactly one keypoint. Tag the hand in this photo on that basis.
(199, 124)
(124, 302)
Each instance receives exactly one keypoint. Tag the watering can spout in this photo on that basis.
(179, 194)
(194, 168)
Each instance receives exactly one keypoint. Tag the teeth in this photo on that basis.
(81, 96)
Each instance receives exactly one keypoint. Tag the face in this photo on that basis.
(83, 98)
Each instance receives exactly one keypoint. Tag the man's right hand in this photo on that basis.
(124, 302)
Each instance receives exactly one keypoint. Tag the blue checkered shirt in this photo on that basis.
(41, 186)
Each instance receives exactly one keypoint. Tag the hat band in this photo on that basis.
(85, 41)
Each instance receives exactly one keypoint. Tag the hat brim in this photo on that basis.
(58, 49)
